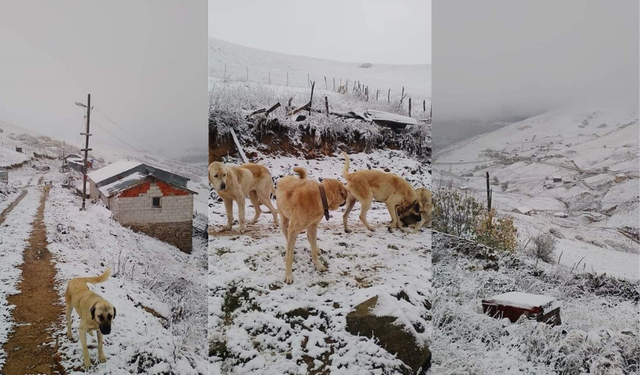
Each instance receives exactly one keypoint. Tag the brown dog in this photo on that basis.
(423, 218)
(366, 185)
(96, 314)
(300, 205)
(233, 183)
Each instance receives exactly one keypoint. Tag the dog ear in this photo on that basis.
(114, 313)
(417, 206)
(93, 312)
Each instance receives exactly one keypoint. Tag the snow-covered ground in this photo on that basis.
(258, 324)
(158, 290)
(598, 334)
(267, 67)
(594, 151)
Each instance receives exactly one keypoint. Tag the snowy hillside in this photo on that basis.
(260, 325)
(580, 162)
(271, 67)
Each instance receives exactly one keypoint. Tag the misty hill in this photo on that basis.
(579, 161)
(415, 78)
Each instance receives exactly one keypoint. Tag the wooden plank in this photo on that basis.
(240, 150)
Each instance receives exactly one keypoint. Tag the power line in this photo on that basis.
(133, 135)
(116, 137)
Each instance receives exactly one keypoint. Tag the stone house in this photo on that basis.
(146, 199)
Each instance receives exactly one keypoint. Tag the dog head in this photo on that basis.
(218, 176)
(103, 313)
(336, 193)
(410, 211)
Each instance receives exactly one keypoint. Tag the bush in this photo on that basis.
(543, 247)
(505, 185)
(455, 212)
(460, 214)
(497, 232)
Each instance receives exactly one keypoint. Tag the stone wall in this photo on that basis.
(178, 234)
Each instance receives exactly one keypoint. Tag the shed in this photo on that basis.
(557, 178)
(4, 176)
(524, 210)
(513, 305)
(147, 199)
(561, 214)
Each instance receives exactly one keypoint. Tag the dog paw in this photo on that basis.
(288, 279)
(225, 228)
(87, 364)
(102, 358)
(320, 267)
(70, 337)
(347, 230)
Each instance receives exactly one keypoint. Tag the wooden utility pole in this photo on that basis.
(311, 99)
(86, 150)
(377, 95)
(488, 194)
(409, 107)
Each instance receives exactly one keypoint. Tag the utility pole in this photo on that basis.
(86, 150)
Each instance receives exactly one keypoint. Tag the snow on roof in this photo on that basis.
(113, 169)
(525, 300)
(560, 214)
(523, 209)
(119, 185)
(374, 115)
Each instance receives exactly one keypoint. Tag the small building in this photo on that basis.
(146, 199)
(557, 178)
(560, 214)
(524, 210)
(620, 177)
(76, 162)
(4, 176)
(19, 149)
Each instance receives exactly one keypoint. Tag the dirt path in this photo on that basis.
(31, 348)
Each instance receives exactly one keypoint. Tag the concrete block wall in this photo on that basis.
(130, 210)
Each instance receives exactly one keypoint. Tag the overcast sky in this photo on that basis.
(503, 57)
(143, 61)
(376, 31)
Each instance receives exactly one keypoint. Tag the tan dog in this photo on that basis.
(423, 218)
(301, 207)
(96, 314)
(233, 183)
(366, 185)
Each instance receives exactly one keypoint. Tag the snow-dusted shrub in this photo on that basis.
(366, 65)
(455, 212)
(543, 247)
(497, 232)
(505, 185)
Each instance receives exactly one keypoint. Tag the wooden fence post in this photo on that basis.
(402, 95)
(424, 106)
(311, 100)
(326, 104)
(377, 95)
(334, 83)
(389, 96)
(409, 107)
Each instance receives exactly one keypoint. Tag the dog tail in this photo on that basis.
(301, 172)
(99, 279)
(347, 164)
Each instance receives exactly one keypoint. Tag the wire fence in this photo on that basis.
(284, 77)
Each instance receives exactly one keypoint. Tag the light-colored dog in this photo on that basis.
(424, 218)
(300, 205)
(233, 183)
(96, 314)
(366, 185)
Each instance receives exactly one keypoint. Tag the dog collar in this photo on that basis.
(325, 205)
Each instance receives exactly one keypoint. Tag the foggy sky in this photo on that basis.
(499, 58)
(144, 62)
(375, 31)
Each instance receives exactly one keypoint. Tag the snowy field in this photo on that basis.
(416, 79)
(598, 334)
(258, 324)
(594, 151)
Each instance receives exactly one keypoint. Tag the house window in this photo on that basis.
(155, 202)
